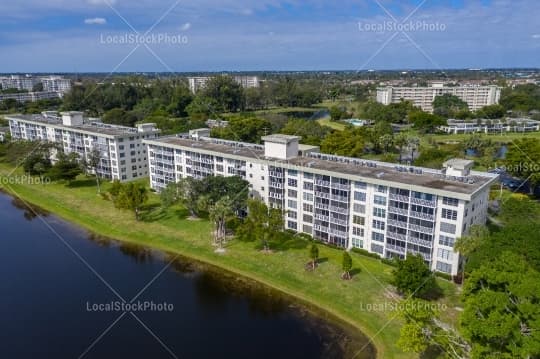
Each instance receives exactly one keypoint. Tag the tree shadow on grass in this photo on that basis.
(81, 183)
(354, 271)
(434, 293)
(292, 243)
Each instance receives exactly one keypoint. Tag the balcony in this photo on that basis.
(398, 236)
(338, 233)
(276, 174)
(322, 206)
(339, 221)
(276, 184)
(424, 216)
(339, 210)
(340, 198)
(397, 249)
(275, 195)
(396, 210)
(395, 223)
(421, 229)
(322, 195)
(426, 256)
(423, 202)
(421, 242)
(322, 183)
(344, 187)
(322, 217)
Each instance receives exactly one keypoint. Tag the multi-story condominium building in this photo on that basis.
(123, 155)
(198, 83)
(30, 96)
(18, 82)
(491, 126)
(423, 97)
(56, 84)
(348, 202)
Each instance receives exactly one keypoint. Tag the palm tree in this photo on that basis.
(401, 141)
(466, 245)
(219, 212)
(413, 143)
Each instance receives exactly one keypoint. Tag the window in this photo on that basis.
(291, 225)
(376, 236)
(292, 182)
(446, 241)
(359, 208)
(308, 207)
(291, 204)
(378, 224)
(292, 193)
(292, 173)
(357, 231)
(379, 200)
(450, 201)
(375, 248)
(444, 254)
(307, 218)
(291, 214)
(359, 196)
(448, 228)
(308, 186)
(307, 229)
(379, 212)
(308, 196)
(357, 243)
(308, 175)
(381, 189)
(449, 214)
(360, 185)
(359, 220)
(444, 267)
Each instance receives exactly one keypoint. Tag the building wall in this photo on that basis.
(122, 157)
(389, 220)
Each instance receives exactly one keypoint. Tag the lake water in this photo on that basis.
(53, 305)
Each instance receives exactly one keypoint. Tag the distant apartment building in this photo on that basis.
(18, 82)
(56, 84)
(123, 155)
(475, 96)
(491, 126)
(383, 208)
(30, 96)
(198, 83)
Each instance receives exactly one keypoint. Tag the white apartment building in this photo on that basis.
(123, 155)
(348, 202)
(199, 83)
(491, 126)
(18, 82)
(56, 84)
(30, 96)
(423, 97)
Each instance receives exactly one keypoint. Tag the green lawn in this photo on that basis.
(336, 125)
(284, 269)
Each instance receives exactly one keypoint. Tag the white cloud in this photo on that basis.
(186, 26)
(536, 36)
(95, 21)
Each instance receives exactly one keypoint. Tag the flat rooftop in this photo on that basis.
(91, 126)
(389, 172)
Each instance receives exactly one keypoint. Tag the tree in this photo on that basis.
(426, 122)
(131, 196)
(314, 255)
(219, 212)
(67, 167)
(337, 113)
(492, 112)
(422, 330)
(92, 162)
(448, 105)
(346, 265)
(386, 142)
(501, 315)
(345, 143)
(466, 245)
(37, 163)
(228, 94)
(202, 107)
(262, 223)
(311, 132)
(412, 276)
(523, 160)
(244, 129)
(413, 143)
(185, 191)
(401, 141)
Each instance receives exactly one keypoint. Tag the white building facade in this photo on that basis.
(476, 97)
(347, 202)
(199, 82)
(123, 155)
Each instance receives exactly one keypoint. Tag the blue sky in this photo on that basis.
(216, 35)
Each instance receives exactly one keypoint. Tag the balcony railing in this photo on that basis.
(395, 223)
(421, 229)
(398, 236)
(396, 248)
(339, 210)
(425, 216)
(322, 206)
(340, 186)
(396, 210)
(421, 242)
(423, 202)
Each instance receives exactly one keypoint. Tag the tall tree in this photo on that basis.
(67, 167)
(132, 196)
(314, 255)
(466, 245)
(501, 316)
(346, 265)
(91, 163)
(219, 212)
(412, 276)
(228, 94)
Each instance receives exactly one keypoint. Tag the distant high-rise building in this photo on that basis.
(476, 97)
(199, 82)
